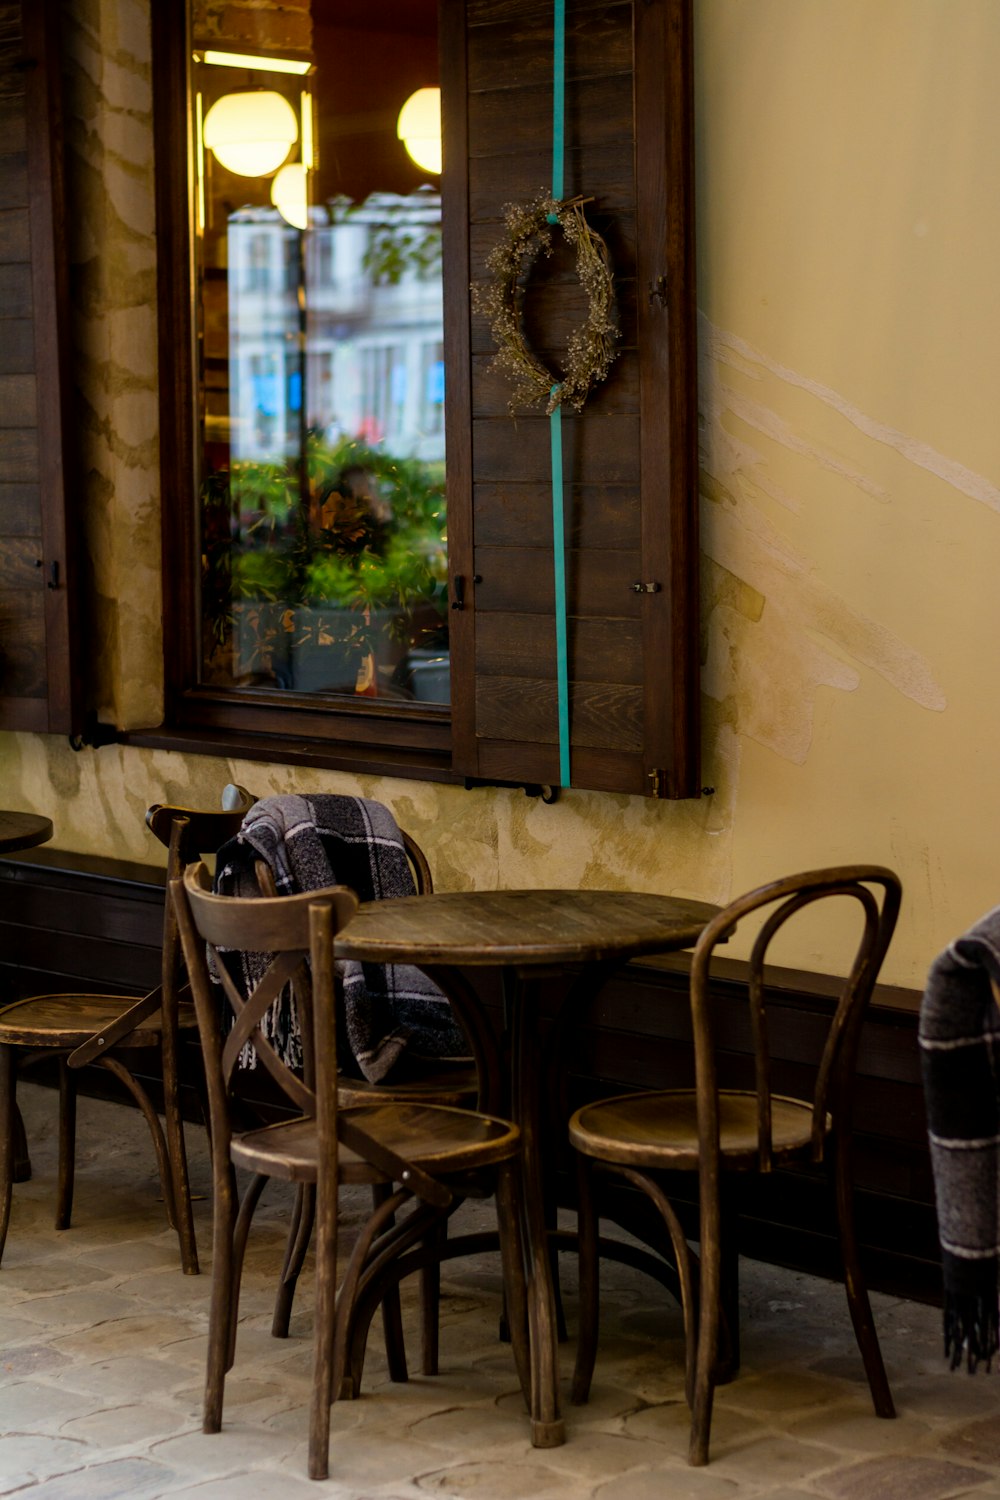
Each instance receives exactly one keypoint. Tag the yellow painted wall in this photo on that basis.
(849, 246)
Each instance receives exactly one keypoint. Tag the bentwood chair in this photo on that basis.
(429, 1157)
(116, 1033)
(715, 1130)
(450, 1084)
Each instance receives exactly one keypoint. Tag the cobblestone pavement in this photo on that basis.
(102, 1346)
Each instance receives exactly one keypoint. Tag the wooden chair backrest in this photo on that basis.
(201, 832)
(287, 932)
(291, 932)
(877, 892)
(189, 833)
(422, 877)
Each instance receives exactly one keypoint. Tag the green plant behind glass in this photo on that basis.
(370, 538)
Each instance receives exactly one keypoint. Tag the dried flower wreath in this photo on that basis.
(590, 350)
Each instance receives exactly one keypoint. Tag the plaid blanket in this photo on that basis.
(960, 1057)
(391, 1013)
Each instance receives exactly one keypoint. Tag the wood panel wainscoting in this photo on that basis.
(69, 919)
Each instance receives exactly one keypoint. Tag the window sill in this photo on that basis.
(426, 762)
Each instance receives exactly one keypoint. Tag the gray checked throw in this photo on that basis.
(960, 1058)
(392, 1014)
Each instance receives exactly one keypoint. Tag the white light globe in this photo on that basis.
(290, 195)
(251, 133)
(419, 128)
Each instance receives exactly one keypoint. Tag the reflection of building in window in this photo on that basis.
(293, 383)
(265, 399)
(319, 388)
(373, 308)
(383, 393)
(432, 387)
(319, 258)
(258, 262)
(293, 268)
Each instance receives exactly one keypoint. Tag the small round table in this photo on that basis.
(23, 830)
(531, 936)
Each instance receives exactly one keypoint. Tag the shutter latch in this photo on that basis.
(458, 602)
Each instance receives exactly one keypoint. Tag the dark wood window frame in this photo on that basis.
(429, 741)
(382, 738)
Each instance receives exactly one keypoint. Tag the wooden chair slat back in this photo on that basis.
(187, 833)
(422, 878)
(287, 935)
(259, 924)
(877, 891)
(204, 831)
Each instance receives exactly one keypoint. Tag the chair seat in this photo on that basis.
(660, 1130)
(70, 1020)
(438, 1139)
(455, 1085)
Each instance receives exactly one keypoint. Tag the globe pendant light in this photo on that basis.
(290, 194)
(419, 128)
(251, 133)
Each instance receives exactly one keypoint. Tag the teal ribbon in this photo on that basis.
(558, 101)
(559, 565)
(555, 416)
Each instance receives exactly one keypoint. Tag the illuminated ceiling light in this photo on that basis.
(260, 64)
(290, 195)
(251, 133)
(419, 128)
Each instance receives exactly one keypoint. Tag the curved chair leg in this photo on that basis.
(683, 1260)
(22, 1160)
(430, 1303)
(684, 1290)
(379, 1244)
(7, 1111)
(857, 1291)
(392, 1314)
(323, 1351)
(508, 1196)
(155, 1129)
(709, 1309)
(241, 1233)
(177, 1153)
(586, 1347)
(67, 1145)
(299, 1233)
(220, 1314)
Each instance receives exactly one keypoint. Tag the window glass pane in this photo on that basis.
(321, 492)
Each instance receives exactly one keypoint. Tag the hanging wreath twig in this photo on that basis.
(590, 350)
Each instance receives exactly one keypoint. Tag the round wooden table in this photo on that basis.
(23, 830)
(531, 936)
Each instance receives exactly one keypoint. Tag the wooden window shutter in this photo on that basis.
(37, 685)
(630, 456)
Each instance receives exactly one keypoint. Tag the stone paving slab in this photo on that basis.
(102, 1348)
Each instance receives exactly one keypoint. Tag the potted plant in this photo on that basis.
(320, 577)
